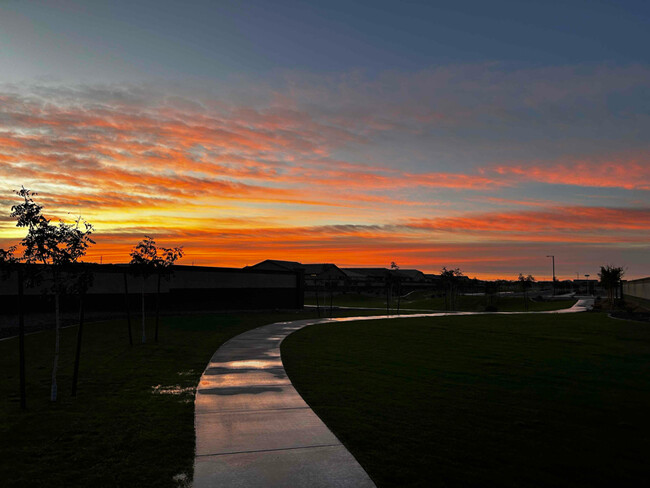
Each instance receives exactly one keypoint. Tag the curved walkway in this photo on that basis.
(254, 430)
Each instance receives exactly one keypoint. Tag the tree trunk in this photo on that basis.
(55, 366)
(144, 334)
(157, 308)
(77, 356)
(21, 341)
(526, 300)
(126, 306)
(387, 299)
(331, 293)
(399, 296)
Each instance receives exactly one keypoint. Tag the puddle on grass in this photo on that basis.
(175, 390)
(182, 480)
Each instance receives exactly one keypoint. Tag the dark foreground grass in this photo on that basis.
(423, 301)
(545, 400)
(117, 431)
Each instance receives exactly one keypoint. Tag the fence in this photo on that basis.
(184, 288)
(637, 288)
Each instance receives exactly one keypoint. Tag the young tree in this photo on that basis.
(491, 294)
(144, 258)
(82, 283)
(526, 283)
(149, 259)
(610, 278)
(450, 279)
(8, 258)
(397, 281)
(388, 278)
(127, 308)
(8, 264)
(55, 247)
(317, 285)
(169, 256)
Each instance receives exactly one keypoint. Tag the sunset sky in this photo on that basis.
(480, 135)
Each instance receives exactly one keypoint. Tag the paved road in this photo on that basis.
(254, 430)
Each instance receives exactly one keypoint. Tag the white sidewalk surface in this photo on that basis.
(254, 430)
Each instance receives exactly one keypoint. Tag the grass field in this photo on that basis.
(524, 400)
(117, 431)
(423, 301)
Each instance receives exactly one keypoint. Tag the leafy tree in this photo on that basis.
(8, 261)
(450, 279)
(526, 283)
(610, 278)
(148, 259)
(53, 245)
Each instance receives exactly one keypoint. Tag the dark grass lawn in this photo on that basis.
(117, 432)
(523, 400)
(423, 301)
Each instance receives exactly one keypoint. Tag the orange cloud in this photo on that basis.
(160, 157)
(561, 224)
(630, 172)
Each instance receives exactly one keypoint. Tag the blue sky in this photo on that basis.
(121, 41)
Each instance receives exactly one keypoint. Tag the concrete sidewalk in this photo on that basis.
(254, 430)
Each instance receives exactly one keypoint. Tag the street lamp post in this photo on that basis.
(553, 258)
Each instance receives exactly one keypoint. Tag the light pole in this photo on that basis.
(553, 258)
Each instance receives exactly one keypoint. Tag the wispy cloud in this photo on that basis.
(558, 224)
(627, 171)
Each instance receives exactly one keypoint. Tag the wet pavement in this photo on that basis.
(254, 430)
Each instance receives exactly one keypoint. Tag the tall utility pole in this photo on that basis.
(553, 258)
